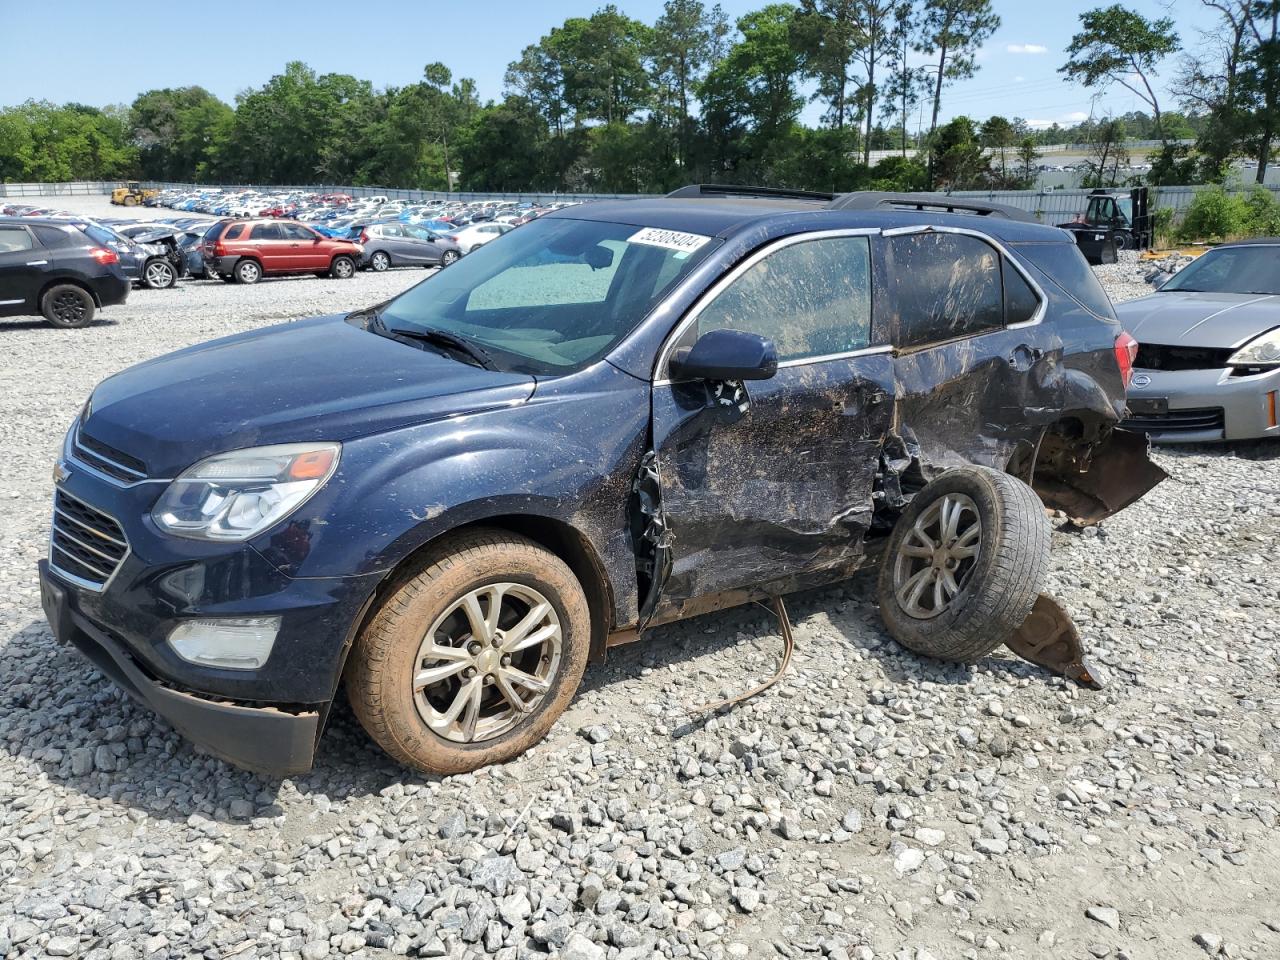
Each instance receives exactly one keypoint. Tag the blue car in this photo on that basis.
(449, 502)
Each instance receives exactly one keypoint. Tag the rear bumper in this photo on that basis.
(263, 739)
(112, 289)
(1204, 405)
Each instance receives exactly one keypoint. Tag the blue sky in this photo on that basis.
(101, 53)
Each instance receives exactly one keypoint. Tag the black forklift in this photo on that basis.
(1113, 220)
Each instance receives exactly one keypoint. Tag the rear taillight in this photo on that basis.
(104, 256)
(1126, 354)
(219, 250)
(363, 238)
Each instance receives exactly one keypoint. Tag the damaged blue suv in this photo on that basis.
(618, 415)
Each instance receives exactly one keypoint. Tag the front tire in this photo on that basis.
(471, 659)
(67, 306)
(964, 564)
(342, 268)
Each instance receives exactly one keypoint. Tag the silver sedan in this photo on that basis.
(1208, 365)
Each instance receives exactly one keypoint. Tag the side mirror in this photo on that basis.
(726, 355)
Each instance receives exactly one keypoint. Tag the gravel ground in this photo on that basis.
(873, 805)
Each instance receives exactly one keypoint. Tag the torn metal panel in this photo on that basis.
(781, 485)
(1090, 477)
(1048, 638)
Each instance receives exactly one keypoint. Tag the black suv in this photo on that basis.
(50, 268)
(626, 413)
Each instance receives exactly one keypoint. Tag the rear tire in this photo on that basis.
(342, 267)
(67, 306)
(247, 272)
(994, 552)
(535, 590)
(379, 262)
(449, 257)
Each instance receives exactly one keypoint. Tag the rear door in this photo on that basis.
(771, 481)
(23, 264)
(975, 364)
(273, 250)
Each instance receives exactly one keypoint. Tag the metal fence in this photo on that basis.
(1050, 206)
(80, 188)
(1057, 206)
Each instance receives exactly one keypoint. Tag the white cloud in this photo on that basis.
(1019, 79)
(1026, 48)
(1064, 121)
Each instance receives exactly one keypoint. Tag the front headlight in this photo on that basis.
(237, 495)
(1262, 351)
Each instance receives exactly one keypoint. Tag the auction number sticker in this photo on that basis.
(682, 243)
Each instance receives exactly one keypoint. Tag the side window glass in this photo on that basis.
(13, 239)
(391, 230)
(1020, 301)
(234, 232)
(948, 286)
(268, 231)
(812, 299)
(296, 231)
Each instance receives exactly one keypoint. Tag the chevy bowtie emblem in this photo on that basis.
(61, 473)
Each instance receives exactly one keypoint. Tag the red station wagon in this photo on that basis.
(245, 250)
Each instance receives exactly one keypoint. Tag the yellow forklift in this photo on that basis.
(131, 194)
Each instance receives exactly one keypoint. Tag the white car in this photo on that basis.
(478, 234)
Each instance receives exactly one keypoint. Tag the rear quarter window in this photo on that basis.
(1063, 265)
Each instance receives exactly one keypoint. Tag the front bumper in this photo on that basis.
(263, 739)
(1197, 406)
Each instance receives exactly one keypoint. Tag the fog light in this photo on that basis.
(240, 643)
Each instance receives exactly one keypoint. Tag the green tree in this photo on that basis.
(952, 32)
(956, 156)
(178, 131)
(683, 39)
(997, 135)
(1121, 46)
(906, 79)
(1028, 158)
(1107, 153)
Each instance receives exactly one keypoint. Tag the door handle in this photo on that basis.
(37, 263)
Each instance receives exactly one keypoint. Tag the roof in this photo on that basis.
(723, 217)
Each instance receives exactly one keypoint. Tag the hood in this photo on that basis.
(320, 379)
(1199, 319)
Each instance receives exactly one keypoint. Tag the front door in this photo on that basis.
(770, 481)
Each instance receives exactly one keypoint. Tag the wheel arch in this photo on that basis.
(557, 536)
(67, 282)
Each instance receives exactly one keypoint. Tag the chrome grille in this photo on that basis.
(86, 546)
(107, 459)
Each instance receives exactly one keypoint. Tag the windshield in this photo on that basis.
(553, 295)
(1230, 270)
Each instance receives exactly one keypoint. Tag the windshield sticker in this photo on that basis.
(684, 243)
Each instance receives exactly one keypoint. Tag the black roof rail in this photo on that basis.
(710, 191)
(929, 203)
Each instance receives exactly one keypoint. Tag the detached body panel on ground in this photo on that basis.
(595, 437)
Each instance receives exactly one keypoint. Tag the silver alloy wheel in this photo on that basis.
(450, 256)
(380, 261)
(487, 662)
(937, 556)
(159, 274)
(248, 271)
(343, 268)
